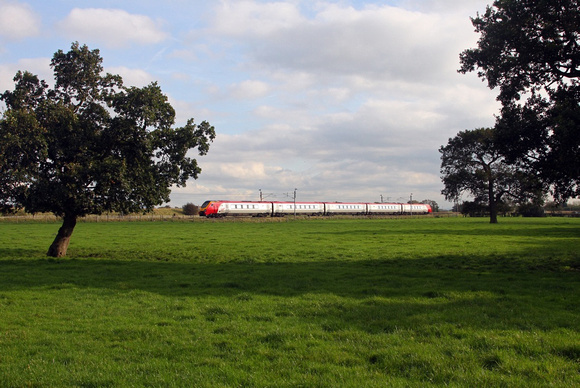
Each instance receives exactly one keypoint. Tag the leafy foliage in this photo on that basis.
(189, 209)
(471, 162)
(530, 50)
(434, 205)
(91, 145)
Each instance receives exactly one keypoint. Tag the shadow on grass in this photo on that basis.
(373, 295)
(528, 229)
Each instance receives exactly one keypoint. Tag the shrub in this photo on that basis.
(531, 210)
(189, 209)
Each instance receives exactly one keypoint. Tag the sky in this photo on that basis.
(338, 100)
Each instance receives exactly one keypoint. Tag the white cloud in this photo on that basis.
(249, 18)
(132, 77)
(446, 6)
(344, 100)
(18, 21)
(247, 171)
(249, 89)
(37, 66)
(375, 42)
(362, 98)
(112, 27)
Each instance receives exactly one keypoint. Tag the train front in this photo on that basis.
(209, 209)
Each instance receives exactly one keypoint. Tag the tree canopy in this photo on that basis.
(530, 50)
(471, 162)
(91, 145)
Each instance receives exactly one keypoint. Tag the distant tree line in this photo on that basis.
(510, 208)
(530, 51)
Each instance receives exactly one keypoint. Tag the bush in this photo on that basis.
(531, 210)
(474, 209)
(189, 209)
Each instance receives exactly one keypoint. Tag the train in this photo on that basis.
(214, 209)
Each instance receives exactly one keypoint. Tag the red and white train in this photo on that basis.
(280, 209)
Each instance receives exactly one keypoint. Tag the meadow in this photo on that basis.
(413, 302)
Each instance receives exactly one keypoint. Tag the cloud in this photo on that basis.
(344, 100)
(446, 6)
(249, 18)
(132, 77)
(374, 42)
(112, 27)
(38, 66)
(249, 89)
(18, 21)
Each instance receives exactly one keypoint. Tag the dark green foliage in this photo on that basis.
(474, 209)
(189, 209)
(531, 210)
(471, 162)
(91, 145)
(530, 50)
(434, 205)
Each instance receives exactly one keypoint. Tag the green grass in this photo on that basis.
(314, 303)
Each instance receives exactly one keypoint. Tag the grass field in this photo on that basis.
(313, 303)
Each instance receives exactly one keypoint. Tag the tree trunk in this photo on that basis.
(492, 204)
(60, 244)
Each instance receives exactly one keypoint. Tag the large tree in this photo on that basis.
(91, 145)
(530, 50)
(470, 162)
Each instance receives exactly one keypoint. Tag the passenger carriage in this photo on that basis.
(235, 208)
(301, 208)
(352, 208)
(280, 209)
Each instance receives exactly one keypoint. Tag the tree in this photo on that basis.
(470, 162)
(530, 50)
(474, 209)
(90, 145)
(434, 205)
(189, 209)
